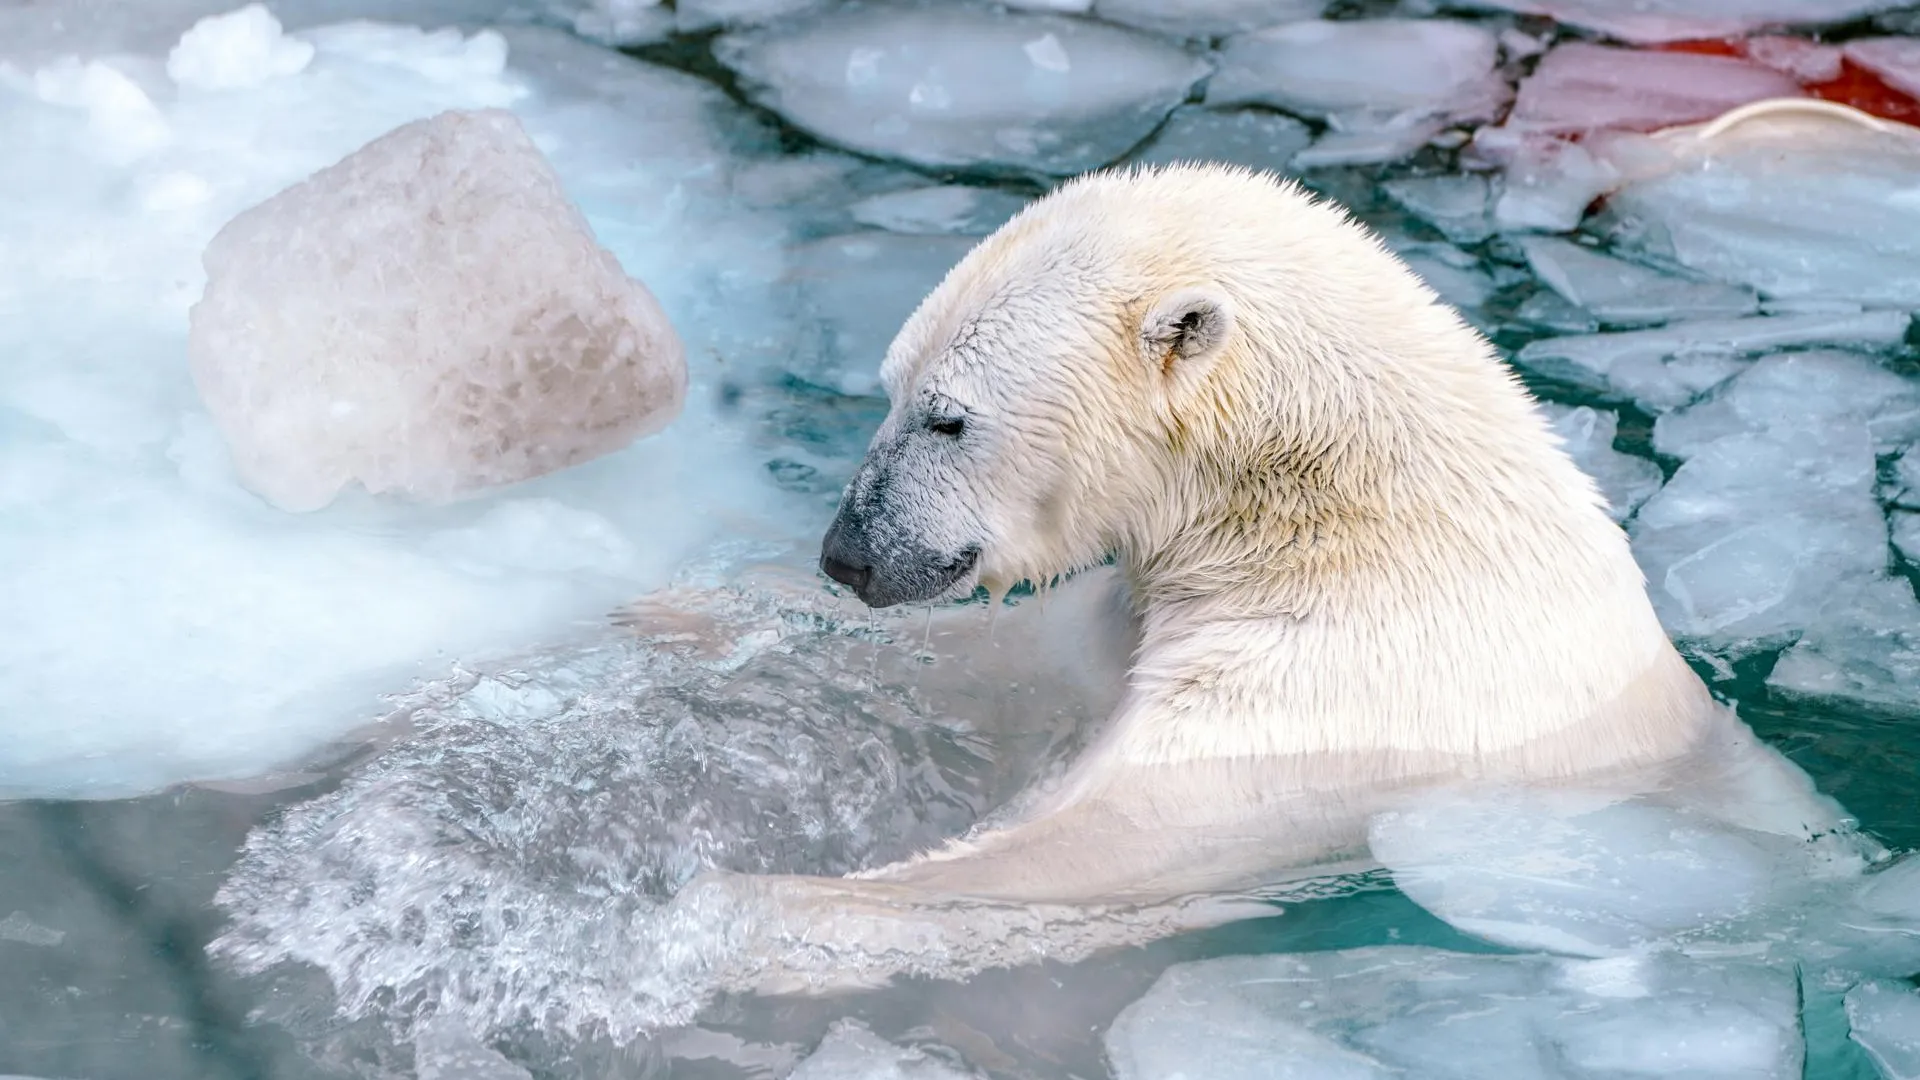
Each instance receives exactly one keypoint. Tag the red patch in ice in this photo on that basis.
(1854, 86)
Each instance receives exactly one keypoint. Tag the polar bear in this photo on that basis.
(1355, 562)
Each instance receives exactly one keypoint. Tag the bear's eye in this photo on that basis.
(950, 426)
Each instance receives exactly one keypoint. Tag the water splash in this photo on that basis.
(520, 859)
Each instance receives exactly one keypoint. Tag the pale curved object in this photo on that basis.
(1784, 106)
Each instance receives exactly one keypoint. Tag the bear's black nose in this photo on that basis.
(846, 573)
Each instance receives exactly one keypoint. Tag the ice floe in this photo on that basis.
(1255, 138)
(1580, 87)
(1623, 294)
(965, 87)
(1458, 206)
(1666, 368)
(1206, 18)
(1802, 205)
(851, 1051)
(1626, 480)
(1886, 1023)
(1651, 21)
(1370, 1014)
(1384, 86)
(1770, 530)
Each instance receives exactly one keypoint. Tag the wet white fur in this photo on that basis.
(1359, 564)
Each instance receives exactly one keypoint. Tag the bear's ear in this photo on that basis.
(1185, 330)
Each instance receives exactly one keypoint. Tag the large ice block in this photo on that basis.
(428, 317)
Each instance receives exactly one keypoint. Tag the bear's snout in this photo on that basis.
(905, 573)
(843, 561)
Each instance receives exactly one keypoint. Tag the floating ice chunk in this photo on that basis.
(443, 1049)
(1371, 1014)
(943, 209)
(963, 86)
(1895, 59)
(428, 318)
(1885, 1017)
(1254, 138)
(1872, 927)
(851, 1051)
(1367, 76)
(1458, 206)
(1815, 531)
(1800, 206)
(1669, 367)
(1819, 388)
(1547, 310)
(1625, 480)
(1206, 18)
(1620, 293)
(444, 56)
(1770, 530)
(1363, 142)
(1804, 61)
(1741, 575)
(18, 928)
(1651, 21)
(122, 119)
(231, 52)
(624, 23)
(1582, 874)
(1863, 648)
(1447, 270)
(1549, 182)
(752, 1058)
(1580, 87)
(696, 16)
(853, 292)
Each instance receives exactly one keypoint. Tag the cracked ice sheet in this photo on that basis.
(1808, 209)
(162, 624)
(1668, 367)
(1770, 532)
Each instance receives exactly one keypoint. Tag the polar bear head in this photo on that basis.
(1200, 369)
